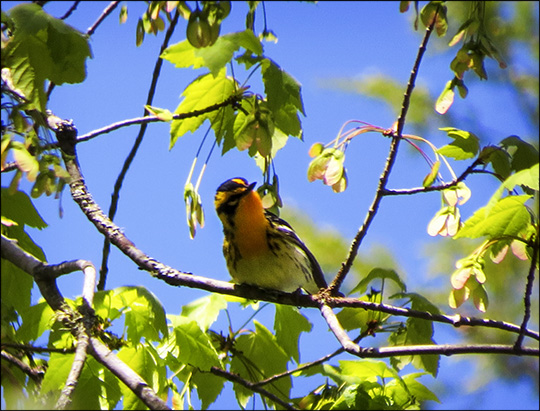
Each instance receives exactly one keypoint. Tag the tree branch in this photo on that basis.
(383, 180)
(528, 292)
(36, 374)
(83, 333)
(409, 191)
(250, 386)
(70, 10)
(108, 10)
(332, 321)
(46, 281)
(447, 349)
(125, 374)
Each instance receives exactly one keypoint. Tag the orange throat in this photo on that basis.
(251, 224)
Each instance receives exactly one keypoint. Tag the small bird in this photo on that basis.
(260, 248)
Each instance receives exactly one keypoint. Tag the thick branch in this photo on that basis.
(179, 279)
(125, 374)
(334, 325)
(447, 349)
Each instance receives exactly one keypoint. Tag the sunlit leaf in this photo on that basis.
(464, 146)
(508, 217)
(203, 92)
(289, 323)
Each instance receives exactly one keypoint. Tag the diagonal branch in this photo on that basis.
(383, 180)
(334, 325)
(108, 10)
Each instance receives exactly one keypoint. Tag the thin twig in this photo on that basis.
(108, 10)
(528, 292)
(346, 266)
(70, 10)
(35, 373)
(311, 363)
(462, 176)
(147, 119)
(32, 348)
(131, 156)
(250, 386)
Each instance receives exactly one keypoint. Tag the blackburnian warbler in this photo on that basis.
(260, 248)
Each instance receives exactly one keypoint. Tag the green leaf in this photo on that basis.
(36, 320)
(203, 92)
(289, 323)
(261, 357)
(43, 47)
(524, 155)
(527, 177)
(499, 159)
(464, 146)
(16, 290)
(18, 207)
(284, 97)
(145, 316)
(381, 273)
(142, 360)
(360, 370)
(417, 331)
(57, 372)
(216, 56)
(161, 113)
(209, 386)
(352, 318)
(195, 346)
(408, 390)
(205, 310)
(508, 217)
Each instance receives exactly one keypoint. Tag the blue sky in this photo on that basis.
(317, 44)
